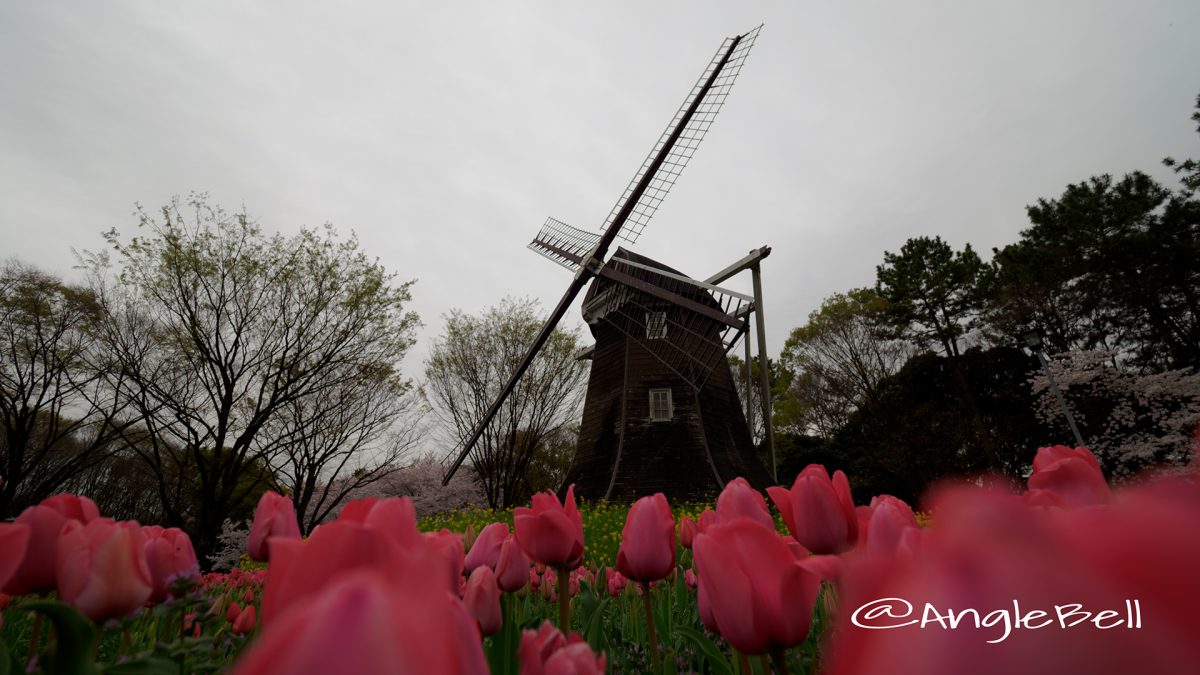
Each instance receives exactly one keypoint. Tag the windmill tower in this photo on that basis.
(661, 412)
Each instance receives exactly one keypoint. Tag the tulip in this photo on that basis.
(689, 578)
(36, 572)
(486, 548)
(1071, 474)
(395, 517)
(275, 516)
(687, 532)
(232, 612)
(101, 568)
(889, 517)
(986, 549)
(169, 557)
(512, 567)
(819, 512)
(708, 517)
(549, 532)
(647, 551)
(547, 652)
(614, 581)
(370, 622)
(757, 594)
(739, 500)
(482, 599)
(449, 546)
(244, 623)
(14, 539)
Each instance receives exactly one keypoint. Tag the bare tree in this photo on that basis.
(340, 441)
(469, 364)
(838, 360)
(219, 329)
(55, 419)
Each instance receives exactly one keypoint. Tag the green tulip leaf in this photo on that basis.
(77, 637)
(716, 660)
(144, 667)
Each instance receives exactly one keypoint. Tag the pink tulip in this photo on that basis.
(889, 517)
(169, 557)
(482, 599)
(101, 568)
(987, 551)
(512, 567)
(36, 573)
(394, 517)
(275, 516)
(647, 551)
(14, 539)
(486, 548)
(689, 578)
(549, 532)
(244, 623)
(752, 587)
(369, 622)
(687, 532)
(708, 517)
(739, 500)
(449, 546)
(547, 652)
(615, 582)
(819, 512)
(1071, 474)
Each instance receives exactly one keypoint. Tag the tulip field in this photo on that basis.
(1066, 575)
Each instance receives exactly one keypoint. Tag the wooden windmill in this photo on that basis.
(661, 412)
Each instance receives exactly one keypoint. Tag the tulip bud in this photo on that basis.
(482, 599)
(647, 551)
(275, 516)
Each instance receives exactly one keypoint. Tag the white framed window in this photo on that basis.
(661, 407)
(656, 325)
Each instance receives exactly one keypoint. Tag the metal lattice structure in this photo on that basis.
(708, 102)
(684, 327)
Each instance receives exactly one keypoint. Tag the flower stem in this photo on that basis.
(36, 637)
(564, 599)
(744, 662)
(653, 639)
(779, 657)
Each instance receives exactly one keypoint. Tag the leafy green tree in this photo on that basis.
(934, 294)
(467, 367)
(920, 430)
(218, 328)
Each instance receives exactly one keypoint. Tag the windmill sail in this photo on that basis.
(707, 102)
(568, 246)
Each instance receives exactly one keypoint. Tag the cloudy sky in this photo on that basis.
(445, 133)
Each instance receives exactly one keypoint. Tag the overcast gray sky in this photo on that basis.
(445, 133)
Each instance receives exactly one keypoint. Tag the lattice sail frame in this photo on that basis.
(568, 246)
(685, 147)
(696, 339)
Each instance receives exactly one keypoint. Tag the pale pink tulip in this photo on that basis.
(170, 558)
(101, 568)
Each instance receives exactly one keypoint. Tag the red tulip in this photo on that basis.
(551, 533)
(819, 512)
(752, 587)
(244, 623)
(647, 551)
(169, 557)
(101, 568)
(275, 516)
(36, 573)
(232, 612)
(547, 652)
(482, 599)
(1071, 474)
(739, 500)
(369, 622)
(512, 567)
(486, 548)
(394, 517)
(687, 532)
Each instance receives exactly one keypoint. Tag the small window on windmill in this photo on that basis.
(656, 325)
(661, 407)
